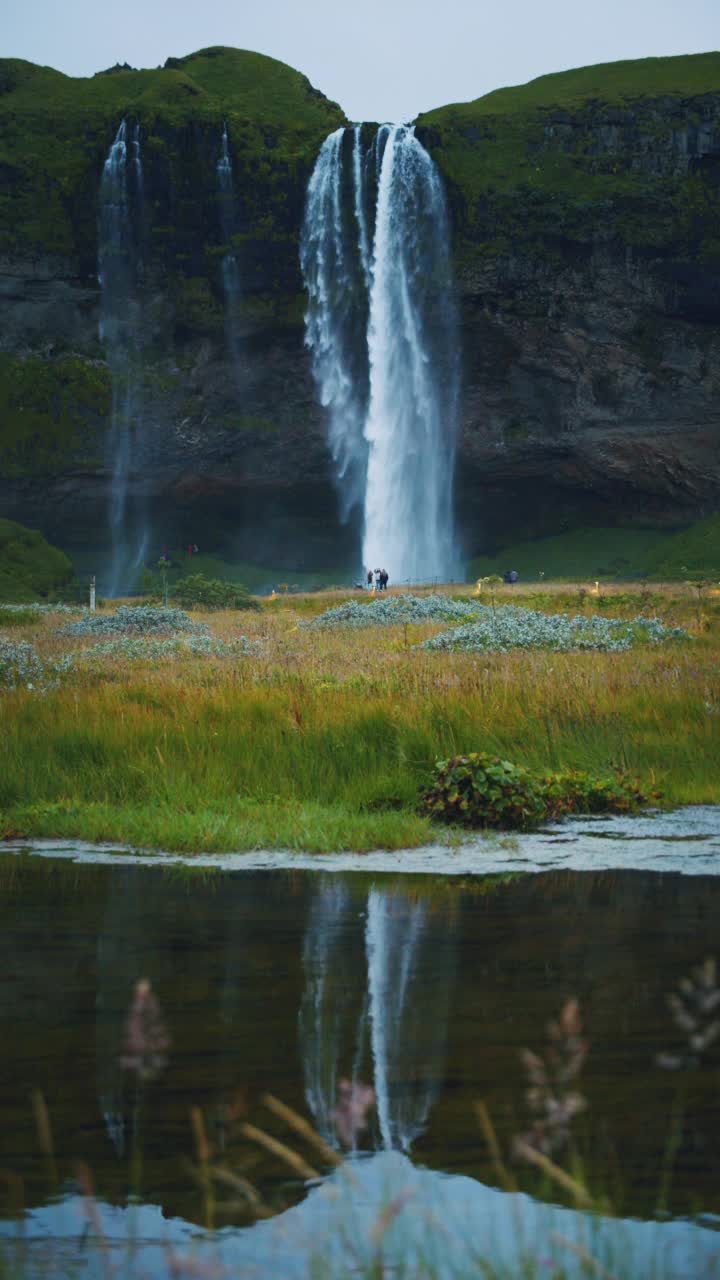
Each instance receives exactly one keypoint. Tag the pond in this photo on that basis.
(426, 991)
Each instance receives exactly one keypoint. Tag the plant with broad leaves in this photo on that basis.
(480, 790)
(575, 791)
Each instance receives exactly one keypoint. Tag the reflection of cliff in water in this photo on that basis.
(375, 1009)
(233, 958)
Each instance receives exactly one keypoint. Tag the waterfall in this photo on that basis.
(120, 271)
(382, 328)
(401, 1018)
(359, 203)
(230, 268)
(375, 1007)
(330, 1047)
(410, 427)
(336, 319)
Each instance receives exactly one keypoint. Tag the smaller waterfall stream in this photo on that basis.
(334, 272)
(120, 271)
(230, 267)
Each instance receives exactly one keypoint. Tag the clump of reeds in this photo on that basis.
(695, 1009)
(552, 1097)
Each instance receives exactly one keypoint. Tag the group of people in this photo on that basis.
(380, 582)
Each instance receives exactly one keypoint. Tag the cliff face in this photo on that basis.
(586, 209)
(586, 221)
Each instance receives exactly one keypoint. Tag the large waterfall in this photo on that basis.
(382, 329)
(230, 268)
(120, 271)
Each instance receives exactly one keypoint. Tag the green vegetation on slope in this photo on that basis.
(574, 156)
(49, 409)
(607, 83)
(29, 566)
(611, 553)
(694, 551)
(55, 131)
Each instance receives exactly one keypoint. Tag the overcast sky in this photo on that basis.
(380, 59)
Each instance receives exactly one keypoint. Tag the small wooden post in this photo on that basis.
(92, 593)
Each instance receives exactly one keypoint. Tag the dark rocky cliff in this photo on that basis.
(586, 222)
(586, 208)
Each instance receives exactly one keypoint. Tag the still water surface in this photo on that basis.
(425, 989)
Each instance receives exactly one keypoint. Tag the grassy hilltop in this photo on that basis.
(562, 153)
(55, 131)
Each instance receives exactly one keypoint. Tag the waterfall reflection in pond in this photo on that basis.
(374, 1015)
(422, 989)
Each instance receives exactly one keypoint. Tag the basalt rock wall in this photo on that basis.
(585, 210)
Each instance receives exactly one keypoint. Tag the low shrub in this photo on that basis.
(21, 667)
(155, 648)
(143, 619)
(480, 790)
(8, 612)
(512, 627)
(198, 592)
(388, 611)
(577, 792)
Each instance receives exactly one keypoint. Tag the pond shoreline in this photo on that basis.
(685, 841)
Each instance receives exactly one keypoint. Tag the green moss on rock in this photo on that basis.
(50, 411)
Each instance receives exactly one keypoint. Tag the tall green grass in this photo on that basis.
(324, 741)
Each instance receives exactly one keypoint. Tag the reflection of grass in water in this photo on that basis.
(322, 741)
(228, 1192)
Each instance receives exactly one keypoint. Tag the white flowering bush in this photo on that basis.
(21, 667)
(10, 610)
(511, 627)
(386, 611)
(156, 648)
(142, 620)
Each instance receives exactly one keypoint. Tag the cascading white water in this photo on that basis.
(327, 1050)
(336, 318)
(230, 267)
(119, 276)
(381, 1021)
(405, 1081)
(410, 427)
(382, 328)
(359, 203)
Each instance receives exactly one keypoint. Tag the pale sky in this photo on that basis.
(380, 59)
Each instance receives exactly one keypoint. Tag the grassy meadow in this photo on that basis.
(322, 739)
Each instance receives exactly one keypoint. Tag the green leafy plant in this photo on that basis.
(575, 791)
(198, 592)
(479, 790)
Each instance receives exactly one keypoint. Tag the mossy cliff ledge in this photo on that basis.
(585, 211)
